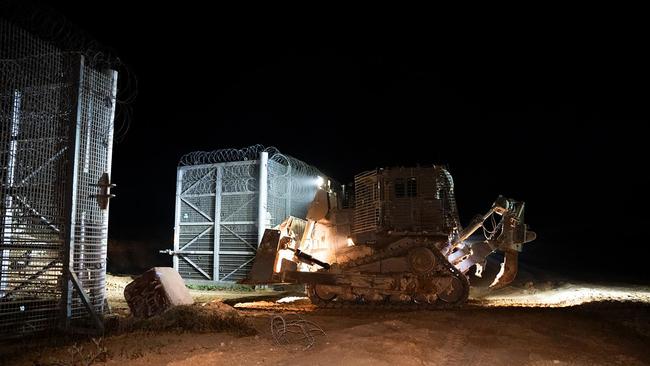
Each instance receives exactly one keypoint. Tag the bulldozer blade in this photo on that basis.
(262, 270)
(508, 270)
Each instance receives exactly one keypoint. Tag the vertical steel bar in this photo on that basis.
(263, 195)
(177, 216)
(77, 77)
(217, 223)
(11, 170)
(289, 189)
(109, 164)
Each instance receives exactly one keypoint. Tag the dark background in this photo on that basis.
(556, 120)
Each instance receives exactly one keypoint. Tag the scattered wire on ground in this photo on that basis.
(296, 330)
(88, 357)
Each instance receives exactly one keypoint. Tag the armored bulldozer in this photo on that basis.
(400, 244)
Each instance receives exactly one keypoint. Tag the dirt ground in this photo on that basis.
(530, 324)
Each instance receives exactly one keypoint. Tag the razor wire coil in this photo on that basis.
(287, 175)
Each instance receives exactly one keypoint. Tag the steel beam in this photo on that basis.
(217, 223)
(177, 216)
(77, 77)
(262, 195)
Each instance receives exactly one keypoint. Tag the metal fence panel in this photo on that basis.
(56, 131)
(217, 202)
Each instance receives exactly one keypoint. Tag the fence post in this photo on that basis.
(263, 195)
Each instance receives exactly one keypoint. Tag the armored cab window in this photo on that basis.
(400, 188)
(412, 187)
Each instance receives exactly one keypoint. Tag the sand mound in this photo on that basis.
(213, 316)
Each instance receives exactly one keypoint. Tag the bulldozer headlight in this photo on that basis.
(320, 181)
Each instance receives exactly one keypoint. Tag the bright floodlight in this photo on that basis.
(320, 181)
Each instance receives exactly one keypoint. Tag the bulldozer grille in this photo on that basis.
(367, 202)
(419, 199)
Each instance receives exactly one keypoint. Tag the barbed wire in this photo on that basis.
(226, 155)
(65, 38)
(290, 177)
(295, 330)
(291, 186)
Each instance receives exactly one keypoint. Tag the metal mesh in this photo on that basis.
(56, 118)
(217, 208)
(95, 131)
(367, 203)
(445, 193)
(405, 199)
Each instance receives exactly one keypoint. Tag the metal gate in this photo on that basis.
(56, 134)
(217, 207)
(218, 220)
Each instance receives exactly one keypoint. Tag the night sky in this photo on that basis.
(556, 121)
